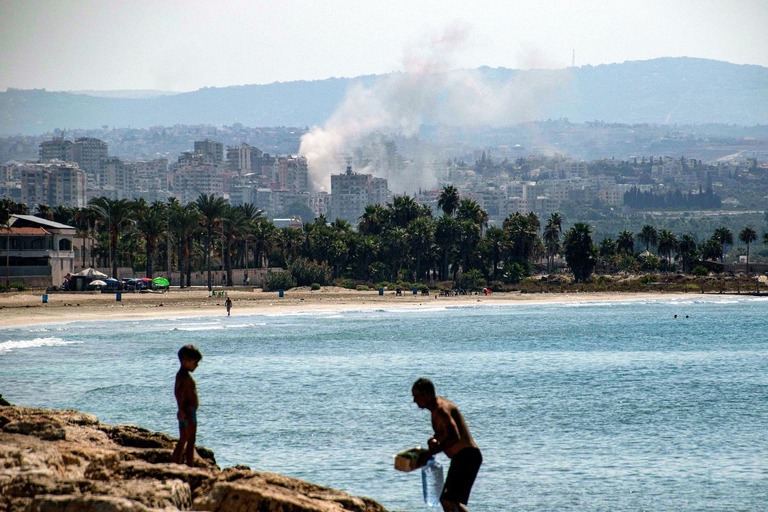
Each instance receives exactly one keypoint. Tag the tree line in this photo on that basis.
(399, 242)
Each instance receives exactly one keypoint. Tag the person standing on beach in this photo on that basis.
(228, 304)
(453, 438)
(187, 402)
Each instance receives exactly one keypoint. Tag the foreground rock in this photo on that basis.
(66, 461)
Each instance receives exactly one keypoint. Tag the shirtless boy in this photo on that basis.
(187, 401)
(453, 438)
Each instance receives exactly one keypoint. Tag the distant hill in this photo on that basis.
(659, 91)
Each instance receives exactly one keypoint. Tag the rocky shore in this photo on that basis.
(67, 461)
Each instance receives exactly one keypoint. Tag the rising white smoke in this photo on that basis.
(428, 91)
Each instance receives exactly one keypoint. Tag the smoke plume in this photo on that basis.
(427, 92)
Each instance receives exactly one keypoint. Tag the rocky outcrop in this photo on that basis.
(67, 461)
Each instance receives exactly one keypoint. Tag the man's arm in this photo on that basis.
(446, 432)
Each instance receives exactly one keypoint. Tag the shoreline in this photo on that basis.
(27, 308)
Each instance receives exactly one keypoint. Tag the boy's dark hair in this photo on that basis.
(425, 386)
(190, 352)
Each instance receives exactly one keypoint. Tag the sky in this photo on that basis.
(174, 45)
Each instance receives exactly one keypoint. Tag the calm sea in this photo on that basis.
(614, 406)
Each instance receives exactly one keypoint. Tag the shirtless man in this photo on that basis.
(453, 438)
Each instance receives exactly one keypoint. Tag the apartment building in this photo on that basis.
(56, 149)
(54, 184)
(91, 155)
(352, 192)
(211, 148)
(292, 174)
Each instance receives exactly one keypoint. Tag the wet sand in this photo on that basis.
(27, 308)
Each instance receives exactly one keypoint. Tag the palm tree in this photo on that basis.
(448, 200)
(116, 214)
(522, 233)
(402, 211)
(421, 238)
(184, 222)
(232, 226)
(152, 223)
(212, 210)
(467, 243)
(252, 217)
(648, 236)
(580, 252)
(725, 237)
(748, 235)
(687, 251)
(395, 248)
(446, 233)
(607, 250)
(625, 243)
(85, 222)
(264, 234)
(469, 210)
(551, 235)
(495, 243)
(44, 212)
(373, 221)
(667, 245)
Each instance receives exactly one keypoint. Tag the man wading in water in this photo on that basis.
(453, 438)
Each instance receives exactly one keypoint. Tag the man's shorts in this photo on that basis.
(461, 475)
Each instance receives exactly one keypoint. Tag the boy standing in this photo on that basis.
(187, 401)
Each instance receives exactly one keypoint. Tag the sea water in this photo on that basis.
(638, 405)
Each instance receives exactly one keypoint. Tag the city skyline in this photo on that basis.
(183, 46)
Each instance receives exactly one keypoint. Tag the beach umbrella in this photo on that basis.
(91, 272)
(97, 282)
(111, 280)
(161, 281)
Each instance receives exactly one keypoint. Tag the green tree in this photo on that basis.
(522, 234)
(373, 221)
(494, 245)
(402, 211)
(580, 251)
(469, 210)
(152, 223)
(551, 235)
(607, 251)
(725, 237)
(421, 238)
(184, 221)
(748, 235)
(625, 243)
(211, 210)
(448, 201)
(648, 236)
(667, 245)
(115, 215)
(687, 251)
(446, 234)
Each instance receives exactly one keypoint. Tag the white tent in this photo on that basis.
(90, 272)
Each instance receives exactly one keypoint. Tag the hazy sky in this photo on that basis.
(185, 45)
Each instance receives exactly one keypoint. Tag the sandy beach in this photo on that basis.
(27, 308)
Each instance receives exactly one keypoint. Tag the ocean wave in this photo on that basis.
(10, 345)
